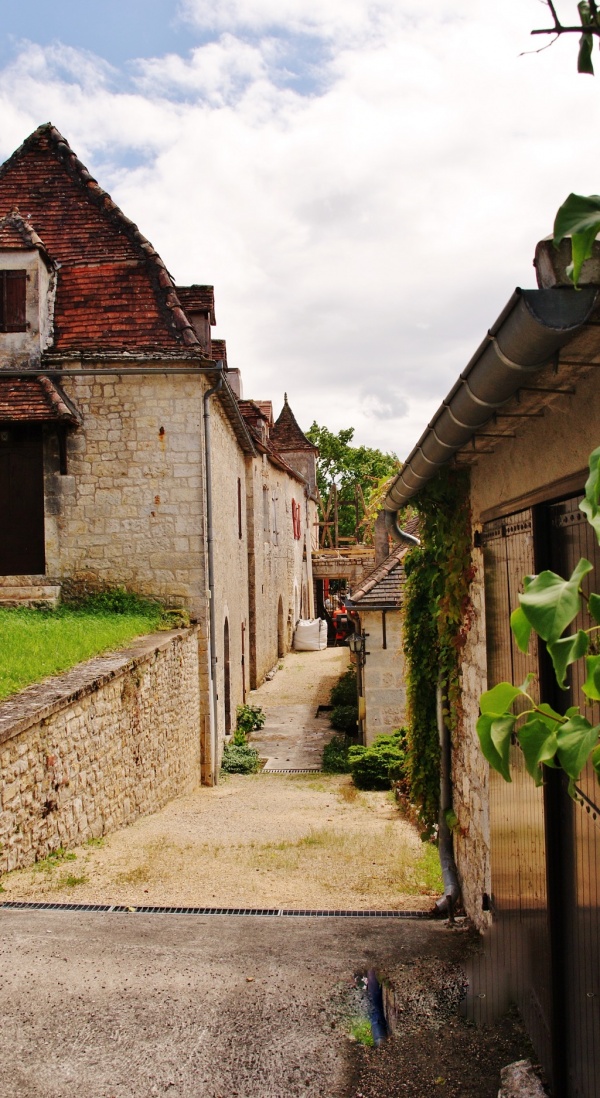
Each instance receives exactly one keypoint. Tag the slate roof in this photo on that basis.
(35, 399)
(384, 586)
(286, 434)
(114, 292)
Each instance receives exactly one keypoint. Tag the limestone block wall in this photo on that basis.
(91, 750)
(470, 771)
(384, 681)
(131, 508)
(277, 566)
(231, 565)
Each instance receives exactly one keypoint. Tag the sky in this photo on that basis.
(362, 181)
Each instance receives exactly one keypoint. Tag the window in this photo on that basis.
(297, 520)
(12, 301)
(266, 524)
(239, 503)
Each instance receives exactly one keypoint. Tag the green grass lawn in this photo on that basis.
(35, 644)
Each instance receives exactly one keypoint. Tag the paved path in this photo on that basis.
(295, 733)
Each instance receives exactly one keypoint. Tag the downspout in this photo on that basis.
(398, 535)
(211, 575)
(447, 903)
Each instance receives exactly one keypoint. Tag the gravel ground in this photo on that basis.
(291, 841)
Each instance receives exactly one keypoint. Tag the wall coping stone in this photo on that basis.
(41, 700)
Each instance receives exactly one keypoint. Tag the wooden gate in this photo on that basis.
(545, 846)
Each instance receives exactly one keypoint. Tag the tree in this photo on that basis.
(589, 23)
(354, 472)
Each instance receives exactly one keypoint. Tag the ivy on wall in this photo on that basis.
(437, 619)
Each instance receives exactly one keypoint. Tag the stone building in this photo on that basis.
(126, 456)
(377, 602)
(523, 417)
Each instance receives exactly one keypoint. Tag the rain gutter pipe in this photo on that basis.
(527, 336)
(447, 903)
(211, 574)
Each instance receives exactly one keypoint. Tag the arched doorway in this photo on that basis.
(280, 631)
(227, 677)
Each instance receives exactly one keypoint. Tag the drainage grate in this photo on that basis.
(293, 770)
(121, 909)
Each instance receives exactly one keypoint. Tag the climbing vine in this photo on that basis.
(437, 618)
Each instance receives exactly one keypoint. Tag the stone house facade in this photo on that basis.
(377, 609)
(125, 456)
(523, 417)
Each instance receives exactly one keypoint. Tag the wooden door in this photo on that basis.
(21, 500)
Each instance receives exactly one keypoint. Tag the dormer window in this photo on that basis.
(13, 286)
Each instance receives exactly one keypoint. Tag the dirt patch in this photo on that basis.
(432, 1050)
(260, 840)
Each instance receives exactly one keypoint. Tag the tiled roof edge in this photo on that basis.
(183, 328)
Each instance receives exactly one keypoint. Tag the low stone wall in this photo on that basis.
(91, 750)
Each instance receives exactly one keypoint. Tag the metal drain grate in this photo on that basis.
(292, 770)
(122, 909)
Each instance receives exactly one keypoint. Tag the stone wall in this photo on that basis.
(280, 576)
(384, 681)
(91, 750)
(231, 565)
(470, 771)
(130, 509)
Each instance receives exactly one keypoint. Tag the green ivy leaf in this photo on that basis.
(494, 732)
(500, 698)
(595, 758)
(591, 686)
(576, 739)
(539, 745)
(579, 218)
(566, 651)
(590, 505)
(550, 603)
(521, 628)
(451, 819)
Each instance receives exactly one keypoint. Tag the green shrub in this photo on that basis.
(249, 719)
(344, 718)
(335, 756)
(240, 759)
(344, 691)
(377, 766)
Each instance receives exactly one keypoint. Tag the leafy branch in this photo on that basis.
(548, 607)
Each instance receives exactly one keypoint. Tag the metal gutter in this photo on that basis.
(527, 335)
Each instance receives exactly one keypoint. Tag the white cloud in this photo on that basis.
(361, 237)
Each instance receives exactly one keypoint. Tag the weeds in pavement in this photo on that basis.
(360, 1031)
(70, 881)
(54, 859)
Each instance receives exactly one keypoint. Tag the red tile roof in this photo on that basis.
(198, 299)
(36, 399)
(114, 291)
(218, 350)
(286, 434)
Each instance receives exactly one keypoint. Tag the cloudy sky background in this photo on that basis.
(363, 181)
